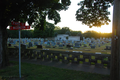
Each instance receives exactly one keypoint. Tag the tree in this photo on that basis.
(27, 10)
(48, 32)
(64, 30)
(12, 33)
(26, 33)
(75, 33)
(68, 33)
(94, 34)
(81, 35)
(67, 37)
(95, 14)
(115, 53)
(57, 28)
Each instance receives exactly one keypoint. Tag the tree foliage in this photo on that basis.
(64, 30)
(32, 11)
(24, 33)
(94, 34)
(57, 28)
(75, 33)
(94, 12)
(48, 32)
(44, 34)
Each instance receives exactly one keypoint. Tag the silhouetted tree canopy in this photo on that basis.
(94, 12)
(32, 11)
(48, 32)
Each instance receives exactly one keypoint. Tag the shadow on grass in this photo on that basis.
(40, 72)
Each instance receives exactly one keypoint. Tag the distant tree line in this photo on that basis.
(36, 33)
(94, 34)
(66, 30)
(52, 31)
(24, 33)
(87, 34)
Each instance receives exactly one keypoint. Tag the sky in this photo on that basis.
(68, 20)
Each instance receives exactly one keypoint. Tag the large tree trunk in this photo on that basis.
(3, 47)
(115, 54)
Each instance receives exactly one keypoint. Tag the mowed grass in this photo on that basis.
(40, 72)
(83, 49)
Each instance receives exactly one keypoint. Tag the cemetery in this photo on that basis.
(71, 43)
(89, 51)
(87, 45)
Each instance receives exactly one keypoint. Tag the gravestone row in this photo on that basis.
(88, 42)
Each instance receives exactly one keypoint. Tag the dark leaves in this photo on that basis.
(32, 10)
(93, 12)
(54, 15)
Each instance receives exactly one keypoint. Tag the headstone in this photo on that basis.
(24, 42)
(35, 43)
(80, 44)
(41, 43)
(9, 45)
(84, 45)
(16, 47)
(30, 44)
(60, 46)
(92, 41)
(53, 44)
(48, 43)
(85, 42)
(68, 46)
(63, 44)
(93, 47)
(23, 46)
(77, 45)
(108, 48)
(72, 42)
(58, 43)
(39, 46)
(99, 45)
(71, 48)
(90, 44)
(45, 42)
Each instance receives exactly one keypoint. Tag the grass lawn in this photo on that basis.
(40, 72)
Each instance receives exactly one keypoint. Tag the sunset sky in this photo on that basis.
(68, 20)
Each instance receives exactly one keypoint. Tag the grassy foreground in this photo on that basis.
(40, 72)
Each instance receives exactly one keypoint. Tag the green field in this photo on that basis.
(40, 72)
